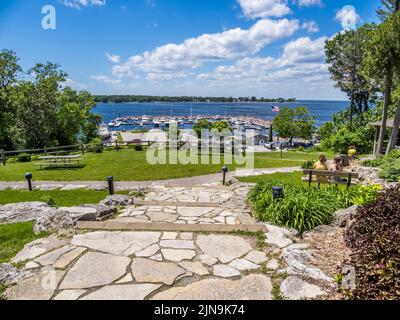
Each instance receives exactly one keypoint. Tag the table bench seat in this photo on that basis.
(349, 176)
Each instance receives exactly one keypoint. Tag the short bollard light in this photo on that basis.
(110, 181)
(224, 172)
(277, 193)
(28, 177)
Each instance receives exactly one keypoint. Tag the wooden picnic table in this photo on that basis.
(60, 161)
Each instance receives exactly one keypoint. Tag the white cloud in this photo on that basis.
(74, 85)
(106, 79)
(264, 8)
(348, 17)
(113, 58)
(309, 3)
(77, 4)
(310, 26)
(193, 52)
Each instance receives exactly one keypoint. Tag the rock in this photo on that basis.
(51, 257)
(68, 295)
(38, 247)
(144, 270)
(178, 255)
(23, 211)
(294, 233)
(148, 252)
(95, 269)
(52, 221)
(186, 236)
(38, 287)
(169, 236)
(128, 278)
(10, 275)
(102, 211)
(73, 187)
(342, 217)
(208, 260)
(193, 211)
(273, 265)
(177, 244)
(223, 247)
(243, 265)
(195, 267)
(123, 292)
(118, 200)
(119, 243)
(31, 265)
(293, 288)
(162, 217)
(349, 277)
(252, 287)
(256, 257)
(224, 271)
(157, 257)
(67, 258)
(81, 213)
(277, 236)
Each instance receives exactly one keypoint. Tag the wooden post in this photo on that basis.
(271, 134)
(116, 145)
(349, 182)
(310, 179)
(3, 157)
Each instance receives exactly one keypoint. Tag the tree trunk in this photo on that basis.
(388, 93)
(395, 131)
(351, 110)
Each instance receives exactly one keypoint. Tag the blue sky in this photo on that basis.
(269, 48)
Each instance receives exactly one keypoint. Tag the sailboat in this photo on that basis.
(276, 109)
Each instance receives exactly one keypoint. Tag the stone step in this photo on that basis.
(155, 226)
(178, 204)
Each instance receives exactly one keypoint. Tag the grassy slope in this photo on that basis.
(293, 178)
(126, 165)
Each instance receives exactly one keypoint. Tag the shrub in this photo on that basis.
(95, 146)
(304, 208)
(308, 164)
(49, 200)
(24, 157)
(374, 238)
(344, 138)
(390, 170)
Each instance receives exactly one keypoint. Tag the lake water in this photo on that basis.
(322, 110)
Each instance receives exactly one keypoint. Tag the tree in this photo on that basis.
(345, 56)
(9, 70)
(202, 124)
(389, 6)
(221, 126)
(294, 123)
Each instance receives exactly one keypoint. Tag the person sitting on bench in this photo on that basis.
(321, 166)
(335, 167)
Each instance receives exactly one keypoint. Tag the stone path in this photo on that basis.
(169, 262)
(212, 179)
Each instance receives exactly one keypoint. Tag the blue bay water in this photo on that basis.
(322, 110)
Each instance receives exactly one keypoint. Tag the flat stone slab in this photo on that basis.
(69, 295)
(256, 257)
(177, 244)
(119, 243)
(145, 270)
(223, 247)
(278, 236)
(195, 267)
(243, 265)
(178, 255)
(224, 271)
(95, 269)
(252, 287)
(193, 211)
(67, 258)
(123, 292)
(148, 252)
(294, 288)
(51, 257)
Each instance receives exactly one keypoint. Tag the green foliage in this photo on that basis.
(95, 146)
(305, 208)
(308, 164)
(294, 123)
(326, 130)
(222, 126)
(49, 200)
(202, 124)
(364, 195)
(374, 240)
(24, 157)
(390, 170)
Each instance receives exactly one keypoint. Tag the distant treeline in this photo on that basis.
(141, 99)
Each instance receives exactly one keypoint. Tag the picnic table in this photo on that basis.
(71, 161)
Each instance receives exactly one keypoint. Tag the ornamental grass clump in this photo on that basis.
(304, 208)
(374, 238)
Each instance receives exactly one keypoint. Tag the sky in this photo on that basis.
(263, 48)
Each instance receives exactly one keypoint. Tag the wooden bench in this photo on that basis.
(349, 176)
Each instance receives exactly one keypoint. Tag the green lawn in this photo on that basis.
(130, 165)
(13, 237)
(293, 178)
(62, 198)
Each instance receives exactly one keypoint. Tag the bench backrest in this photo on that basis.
(326, 173)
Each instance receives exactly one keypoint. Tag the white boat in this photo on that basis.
(103, 131)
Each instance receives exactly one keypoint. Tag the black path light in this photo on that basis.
(110, 181)
(28, 177)
(277, 193)
(224, 172)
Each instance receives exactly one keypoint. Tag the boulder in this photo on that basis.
(118, 200)
(102, 210)
(22, 212)
(10, 275)
(342, 217)
(53, 220)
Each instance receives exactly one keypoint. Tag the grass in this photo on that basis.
(292, 177)
(13, 237)
(131, 165)
(66, 198)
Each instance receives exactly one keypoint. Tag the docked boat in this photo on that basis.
(276, 109)
(103, 132)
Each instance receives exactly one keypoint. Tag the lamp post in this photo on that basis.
(28, 177)
(110, 181)
(224, 172)
(277, 193)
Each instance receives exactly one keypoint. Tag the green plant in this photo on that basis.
(3, 289)
(49, 200)
(308, 164)
(374, 238)
(363, 195)
(24, 157)
(138, 147)
(390, 170)
(95, 146)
